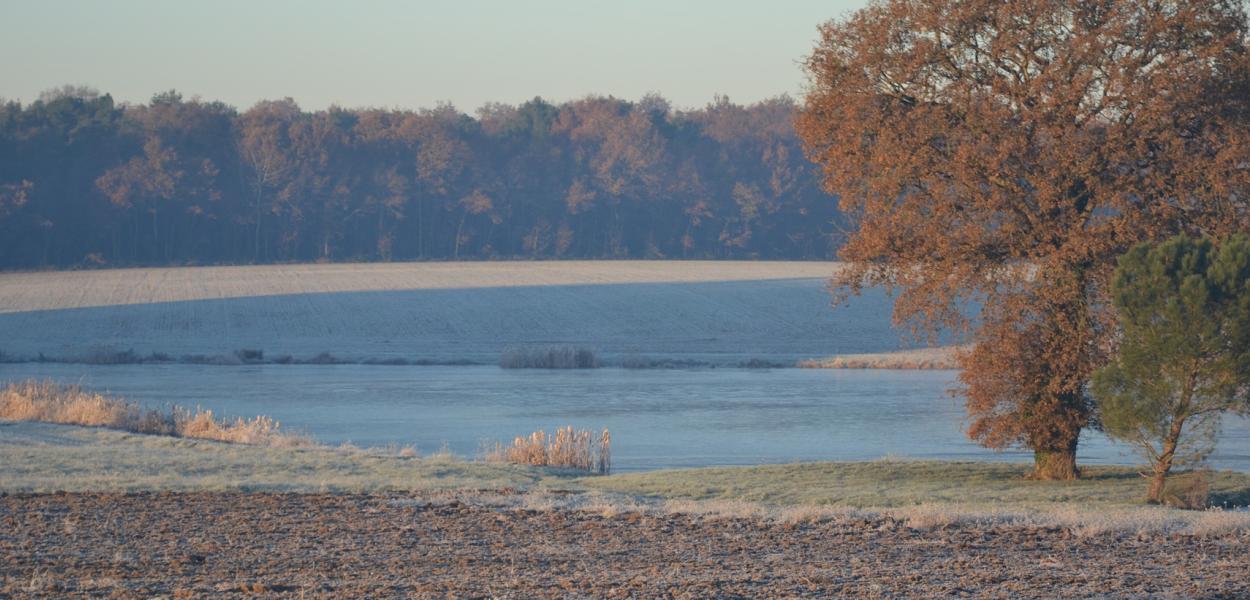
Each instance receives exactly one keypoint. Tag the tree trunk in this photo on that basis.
(256, 239)
(420, 229)
(377, 238)
(1054, 430)
(1157, 482)
(455, 253)
(134, 239)
(1055, 464)
(156, 237)
(1163, 465)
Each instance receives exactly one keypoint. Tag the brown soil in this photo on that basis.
(382, 545)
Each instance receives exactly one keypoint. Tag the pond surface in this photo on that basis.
(658, 418)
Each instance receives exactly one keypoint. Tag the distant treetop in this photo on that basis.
(86, 182)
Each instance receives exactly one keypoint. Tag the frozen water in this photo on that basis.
(658, 418)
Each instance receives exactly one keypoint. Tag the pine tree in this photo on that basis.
(1184, 357)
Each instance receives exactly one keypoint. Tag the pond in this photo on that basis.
(658, 418)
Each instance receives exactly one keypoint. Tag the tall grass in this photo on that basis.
(548, 357)
(568, 448)
(51, 402)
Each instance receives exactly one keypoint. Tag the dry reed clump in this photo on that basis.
(642, 362)
(51, 402)
(568, 448)
(551, 357)
(918, 359)
(105, 355)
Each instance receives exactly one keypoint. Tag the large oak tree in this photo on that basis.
(1006, 152)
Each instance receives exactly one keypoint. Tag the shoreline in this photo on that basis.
(91, 511)
(49, 458)
(939, 358)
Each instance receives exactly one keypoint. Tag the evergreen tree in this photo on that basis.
(1185, 354)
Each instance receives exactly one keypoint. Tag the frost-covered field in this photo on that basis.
(715, 312)
(52, 290)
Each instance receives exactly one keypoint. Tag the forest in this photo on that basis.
(86, 181)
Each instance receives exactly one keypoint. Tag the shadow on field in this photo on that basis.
(713, 323)
(1236, 498)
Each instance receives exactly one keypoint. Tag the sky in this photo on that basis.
(411, 54)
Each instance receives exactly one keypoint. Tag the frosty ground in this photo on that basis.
(92, 511)
(50, 458)
(150, 516)
(646, 311)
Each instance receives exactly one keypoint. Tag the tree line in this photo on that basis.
(86, 181)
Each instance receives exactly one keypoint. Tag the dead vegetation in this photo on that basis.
(108, 355)
(51, 402)
(1190, 491)
(548, 357)
(569, 448)
(918, 359)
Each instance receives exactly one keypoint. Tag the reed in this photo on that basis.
(567, 448)
(919, 358)
(51, 402)
(548, 357)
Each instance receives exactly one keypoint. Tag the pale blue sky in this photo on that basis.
(411, 54)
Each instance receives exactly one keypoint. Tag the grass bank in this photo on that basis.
(43, 457)
(49, 457)
(898, 483)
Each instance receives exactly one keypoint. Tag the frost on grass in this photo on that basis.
(1080, 521)
(40, 457)
(907, 484)
(921, 358)
(44, 457)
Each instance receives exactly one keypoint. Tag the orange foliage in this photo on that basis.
(1007, 152)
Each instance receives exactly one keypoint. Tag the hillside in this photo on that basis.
(708, 312)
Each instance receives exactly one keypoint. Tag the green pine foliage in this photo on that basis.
(1184, 359)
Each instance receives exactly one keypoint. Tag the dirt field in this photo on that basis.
(445, 545)
(154, 516)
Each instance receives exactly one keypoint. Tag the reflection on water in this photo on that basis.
(658, 418)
